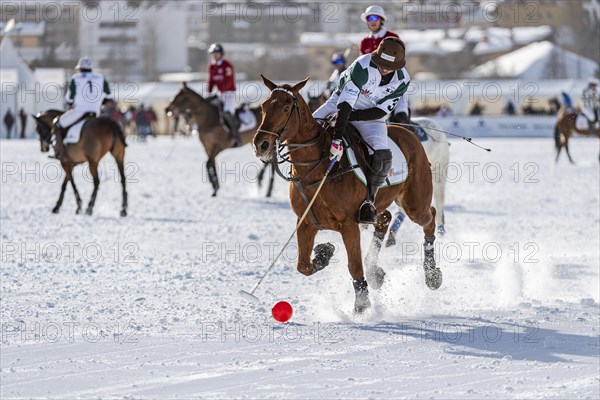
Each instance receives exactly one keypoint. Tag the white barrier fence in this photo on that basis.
(499, 126)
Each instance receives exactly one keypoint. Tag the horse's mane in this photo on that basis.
(50, 114)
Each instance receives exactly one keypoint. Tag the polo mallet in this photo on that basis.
(468, 139)
(250, 295)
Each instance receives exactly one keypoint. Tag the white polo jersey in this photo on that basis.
(359, 86)
(87, 90)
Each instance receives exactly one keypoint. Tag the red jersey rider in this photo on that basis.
(221, 76)
(375, 18)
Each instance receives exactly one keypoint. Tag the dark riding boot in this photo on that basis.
(381, 163)
(233, 124)
(59, 148)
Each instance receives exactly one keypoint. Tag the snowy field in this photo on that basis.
(147, 307)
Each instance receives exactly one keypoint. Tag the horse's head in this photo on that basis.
(43, 127)
(281, 117)
(183, 101)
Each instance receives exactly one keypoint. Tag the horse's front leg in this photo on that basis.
(351, 236)
(375, 274)
(306, 239)
(211, 168)
(272, 179)
(61, 196)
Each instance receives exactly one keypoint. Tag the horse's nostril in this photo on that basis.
(264, 146)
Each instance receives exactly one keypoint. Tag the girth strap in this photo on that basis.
(307, 202)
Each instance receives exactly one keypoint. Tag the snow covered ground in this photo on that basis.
(147, 307)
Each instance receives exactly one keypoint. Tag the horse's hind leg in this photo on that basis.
(398, 220)
(439, 193)
(424, 216)
(375, 274)
(351, 235)
(568, 152)
(119, 158)
(94, 171)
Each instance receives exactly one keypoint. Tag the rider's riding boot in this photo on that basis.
(59, 148)
(381, 163)
(233, 124)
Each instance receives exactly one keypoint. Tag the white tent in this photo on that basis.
(537, 61)
(20, 89)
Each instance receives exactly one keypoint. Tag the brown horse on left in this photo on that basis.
(98, 137)
(286, 119)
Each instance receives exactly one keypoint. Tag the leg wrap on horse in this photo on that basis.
(381, 163)
(361, 295)
(59, 134)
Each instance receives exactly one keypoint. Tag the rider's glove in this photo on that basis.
(336, 150)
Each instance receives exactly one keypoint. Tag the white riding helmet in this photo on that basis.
(593, 81)
(84, 63)
(373, 10)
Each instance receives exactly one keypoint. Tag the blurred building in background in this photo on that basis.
(142, 40)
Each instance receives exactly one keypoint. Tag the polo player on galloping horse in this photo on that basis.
(221, 76)
(86, 94)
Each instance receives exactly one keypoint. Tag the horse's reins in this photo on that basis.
(293, 147)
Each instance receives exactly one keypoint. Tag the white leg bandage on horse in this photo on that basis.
(402, 105)
(228, 99)
(374, 133)
(329, 107)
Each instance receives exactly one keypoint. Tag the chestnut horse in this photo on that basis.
(213, 135)
(564, 128)
(287, 119)
(98, 137)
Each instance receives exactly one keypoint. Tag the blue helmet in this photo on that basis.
(338, 59)
(216, 48)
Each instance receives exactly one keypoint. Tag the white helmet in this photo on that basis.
(373, 10)
(84, 63)
(593, 81)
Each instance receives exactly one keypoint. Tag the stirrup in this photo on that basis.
(367, 214)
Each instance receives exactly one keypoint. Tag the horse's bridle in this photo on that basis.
(46, 134)
(294, 106)
(284, 156)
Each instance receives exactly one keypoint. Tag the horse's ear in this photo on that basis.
(184, 84)
(268, 83)
(300, 85)
(36, 116)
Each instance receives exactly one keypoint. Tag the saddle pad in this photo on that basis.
(398, 173)
(74, 133)
(247, 120)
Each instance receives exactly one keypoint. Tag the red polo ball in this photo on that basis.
(282, 311)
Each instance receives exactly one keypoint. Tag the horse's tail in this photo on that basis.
(118, 133)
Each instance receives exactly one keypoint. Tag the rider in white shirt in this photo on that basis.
(590, 101)
(368, 91)
(86, 93)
